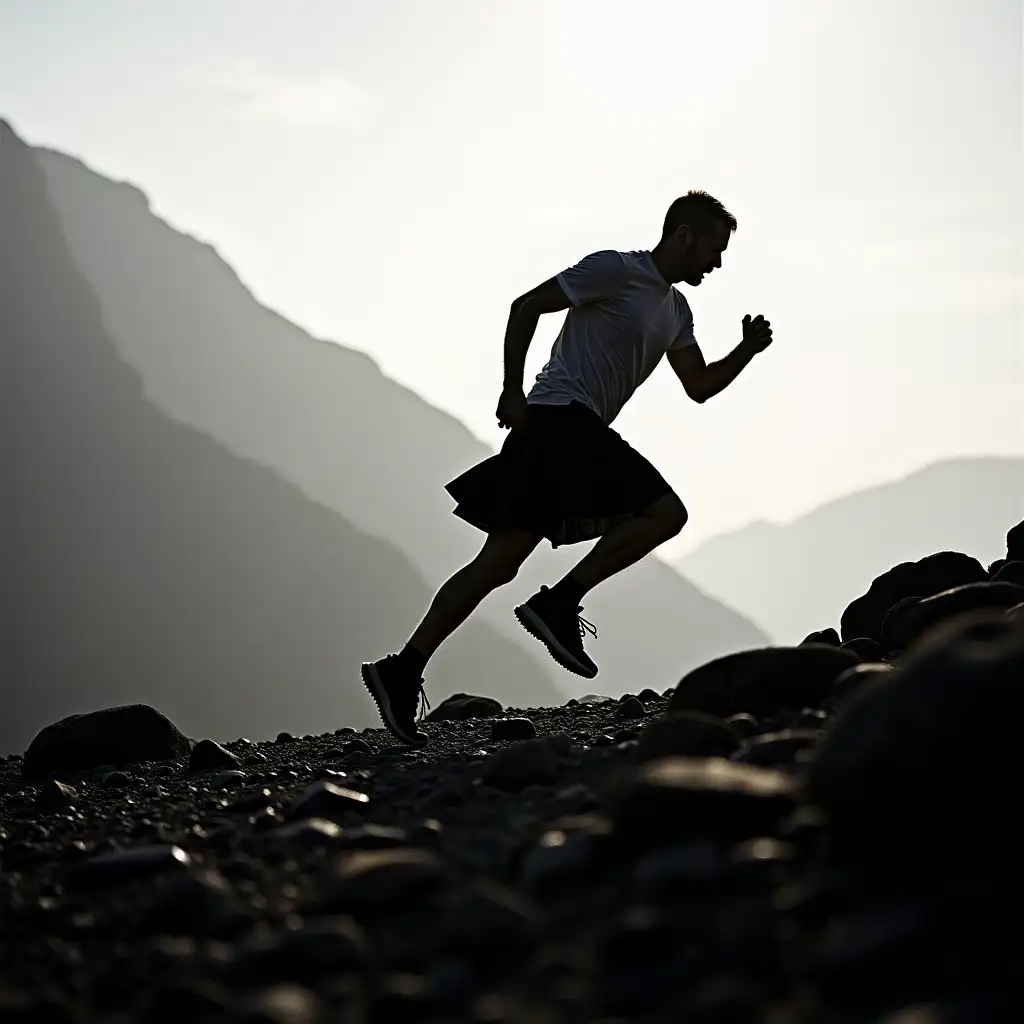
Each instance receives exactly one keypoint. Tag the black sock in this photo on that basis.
(568, 590)
(415, 661)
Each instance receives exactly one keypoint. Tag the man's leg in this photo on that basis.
(496, 564)
(551, 615)
(395, 682)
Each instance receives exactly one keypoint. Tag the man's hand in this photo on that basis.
(512, 409)
(757, 333)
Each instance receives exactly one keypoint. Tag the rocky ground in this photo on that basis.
(809, 834)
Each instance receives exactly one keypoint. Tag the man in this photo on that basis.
(563, 473)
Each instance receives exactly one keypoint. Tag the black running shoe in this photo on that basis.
(399, 697)
(560, 628)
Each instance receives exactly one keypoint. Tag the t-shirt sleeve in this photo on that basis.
(685, 336)
(596, 277)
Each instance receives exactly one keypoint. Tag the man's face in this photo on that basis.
(700, 254)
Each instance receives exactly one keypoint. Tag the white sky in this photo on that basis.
(391, 174)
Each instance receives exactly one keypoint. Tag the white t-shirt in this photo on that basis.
(625, 317)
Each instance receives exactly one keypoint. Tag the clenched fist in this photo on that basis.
(512, 409)
(757, 333)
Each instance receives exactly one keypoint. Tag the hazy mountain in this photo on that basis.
(144, 561)
(798, 576)
(326, 418)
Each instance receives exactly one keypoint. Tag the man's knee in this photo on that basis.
(503, 555)
(670, 514)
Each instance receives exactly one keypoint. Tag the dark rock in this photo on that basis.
(930, 575)
(762, 680)
(462, 706)
(647, 695)
(995, 566)
(744, 724)
(1015, 543)
(326, 800)
(122, 866)
(676, 798)
(565, 857)
(926, 759)
(284, 737)
(828, 636)
(193, 903)
(376, 881)
(629, 708)
(865, 648)
(1011, 572)
(1016, 613)
(114, 736)
(854, 679)
(115, 780)
(528, 762)
(308, 834)
(54, 796)
(373, 837)
(313, 949)
(686, 734)
(910, 620)
(356, 746)
(773, 749)
(209, 756)
(281, 1004)
(513, 729)
(489, 920)
(226, 780)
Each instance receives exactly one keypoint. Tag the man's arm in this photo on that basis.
(701, 380)
(526, 311)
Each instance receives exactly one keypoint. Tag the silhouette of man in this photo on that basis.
(563, 473)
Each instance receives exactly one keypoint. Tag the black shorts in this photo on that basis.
(568, 477)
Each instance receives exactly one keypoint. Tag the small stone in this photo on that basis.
(524, 763)
(687, 734)
(357, 747)
(378, 880)
(776, 748)
(512, 729)
(629, 708)
(127, 865)
(306, 953)
(208, 756)
(284, 737)
(54, 795)
(679, 797)
(226, 780)
(115, 780)
(309, 834)
(281, 1004)
(326, 800)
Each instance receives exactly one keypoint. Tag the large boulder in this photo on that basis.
(913, 617)
(763, 681)
(1010, 572)
(930, 575)
(462, 706)
(116, 736)
(923, 765)
(1015, 543)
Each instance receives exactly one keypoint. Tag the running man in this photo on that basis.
(563, 473)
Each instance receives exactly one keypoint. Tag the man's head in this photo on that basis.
(696, 233)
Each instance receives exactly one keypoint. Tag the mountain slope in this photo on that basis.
(326, 418)
(799, 576)
(142, 561)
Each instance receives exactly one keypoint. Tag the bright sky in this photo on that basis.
(391, 174)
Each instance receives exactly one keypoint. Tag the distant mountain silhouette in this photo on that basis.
(796, 577)
(326, 418)
(142, 561)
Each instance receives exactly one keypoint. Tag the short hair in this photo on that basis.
(698, 209)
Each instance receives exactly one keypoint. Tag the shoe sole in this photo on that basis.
(374, 684)
(536, 627)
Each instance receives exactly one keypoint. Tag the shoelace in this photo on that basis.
(424, 704)
(586, 626)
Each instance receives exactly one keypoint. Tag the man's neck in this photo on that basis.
(658, 258)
